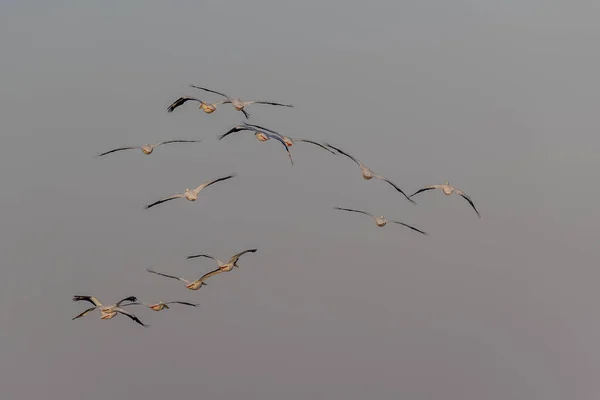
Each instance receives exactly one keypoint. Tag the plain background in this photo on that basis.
(499, 98)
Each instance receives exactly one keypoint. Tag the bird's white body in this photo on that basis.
(147, 149)
(190, 195)
(380, 221)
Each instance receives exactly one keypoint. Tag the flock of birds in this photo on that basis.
(262, 134)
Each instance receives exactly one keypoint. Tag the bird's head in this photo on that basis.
(164, 305)
(446, 183)
(288, 141)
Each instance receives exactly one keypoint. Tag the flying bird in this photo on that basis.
(107, 311)
(192, 285)
(226, 267)
(448, 189)
(191, 195)
(380, 220)
(148, 148)
(263, 136)
(368, 174)
(288, 140)
(204, 106)
(239, 104)
(162, 305)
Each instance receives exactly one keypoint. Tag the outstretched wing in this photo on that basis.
(280, 140)
(353, 210)
(180, 101)
(467, 198)
(211, 91)
(207, 184)
(177, 196)
(210, 274)
(237, 128)
(90, 299)
(238, 255)
(129, 299)
(423, 190)
(315, 143)
(84, 313)
(167, 276)
(119, 149)
(206, 256)
(344, 153)
(182, 302)
(246, 113)
(263, 128)
(179, 141)
(133, 317)
(269, 103)
(395, 187)
(411, 227)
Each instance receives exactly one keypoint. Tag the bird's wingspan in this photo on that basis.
(207, 184)
(180, 101)
(119, 149)
(353, 210)
(411, 227)
(176, 196)
(395, 187)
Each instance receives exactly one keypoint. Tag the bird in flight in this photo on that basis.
(192, 285)
(380, 220)
(368, 174)
(162, 305)
(448, 189)
(288, 140)
(148, 148)
(191, 195)
(239, 104)
(263, 136)
(107, 311)
(204, 106)
(228, 266)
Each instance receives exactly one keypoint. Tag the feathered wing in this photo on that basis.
(344, 153)
(178, 141)
(182, 302)
(207, 184)
(315, 143)
(90, 299)
(204, 277)
(267, 102)
(236, 257)
(411, 227)
(211, 91)
(133, 317)
(395, 187)
(280, 140)
(181, 101)
(206, 256)
(167, 276)
(177, 196)
(235, 129)
(423, 190)
(119, 149)
(84, 313)
(130, 299)
(353, 210)
(467, 198)
(263, 129)
(246, 113)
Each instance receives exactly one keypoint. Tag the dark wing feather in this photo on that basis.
(263, 128)
(220, 179)
(180, 101)
(246, 113)
(467, 198)
(201, 255)
(130, 299)
(161, 274)
(162, 201)
(133, 317)
(398, 189)
(352, 210)
(210, 274)
(237, 128)
(119, 149)
(343, 152)
(421, 190)
(411, 227)
(211, 91)
(84, 313)
(238, 255)
(182, 302)
(181, 141)
(315, 143)
(273, 104)
(280, 140)
(84, 298)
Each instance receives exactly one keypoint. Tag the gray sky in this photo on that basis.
(499, 99)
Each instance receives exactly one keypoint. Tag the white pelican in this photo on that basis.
(448, 189)
(226, 267)
(162, 305)
(192, 285)
(380, 220)
(191, 195)
(288, 140)
(148, 148)
(368, 174)
(263, 136)
(204, 106)
(107, 311)
(239, 104)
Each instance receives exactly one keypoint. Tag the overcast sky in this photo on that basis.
(499, 98)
